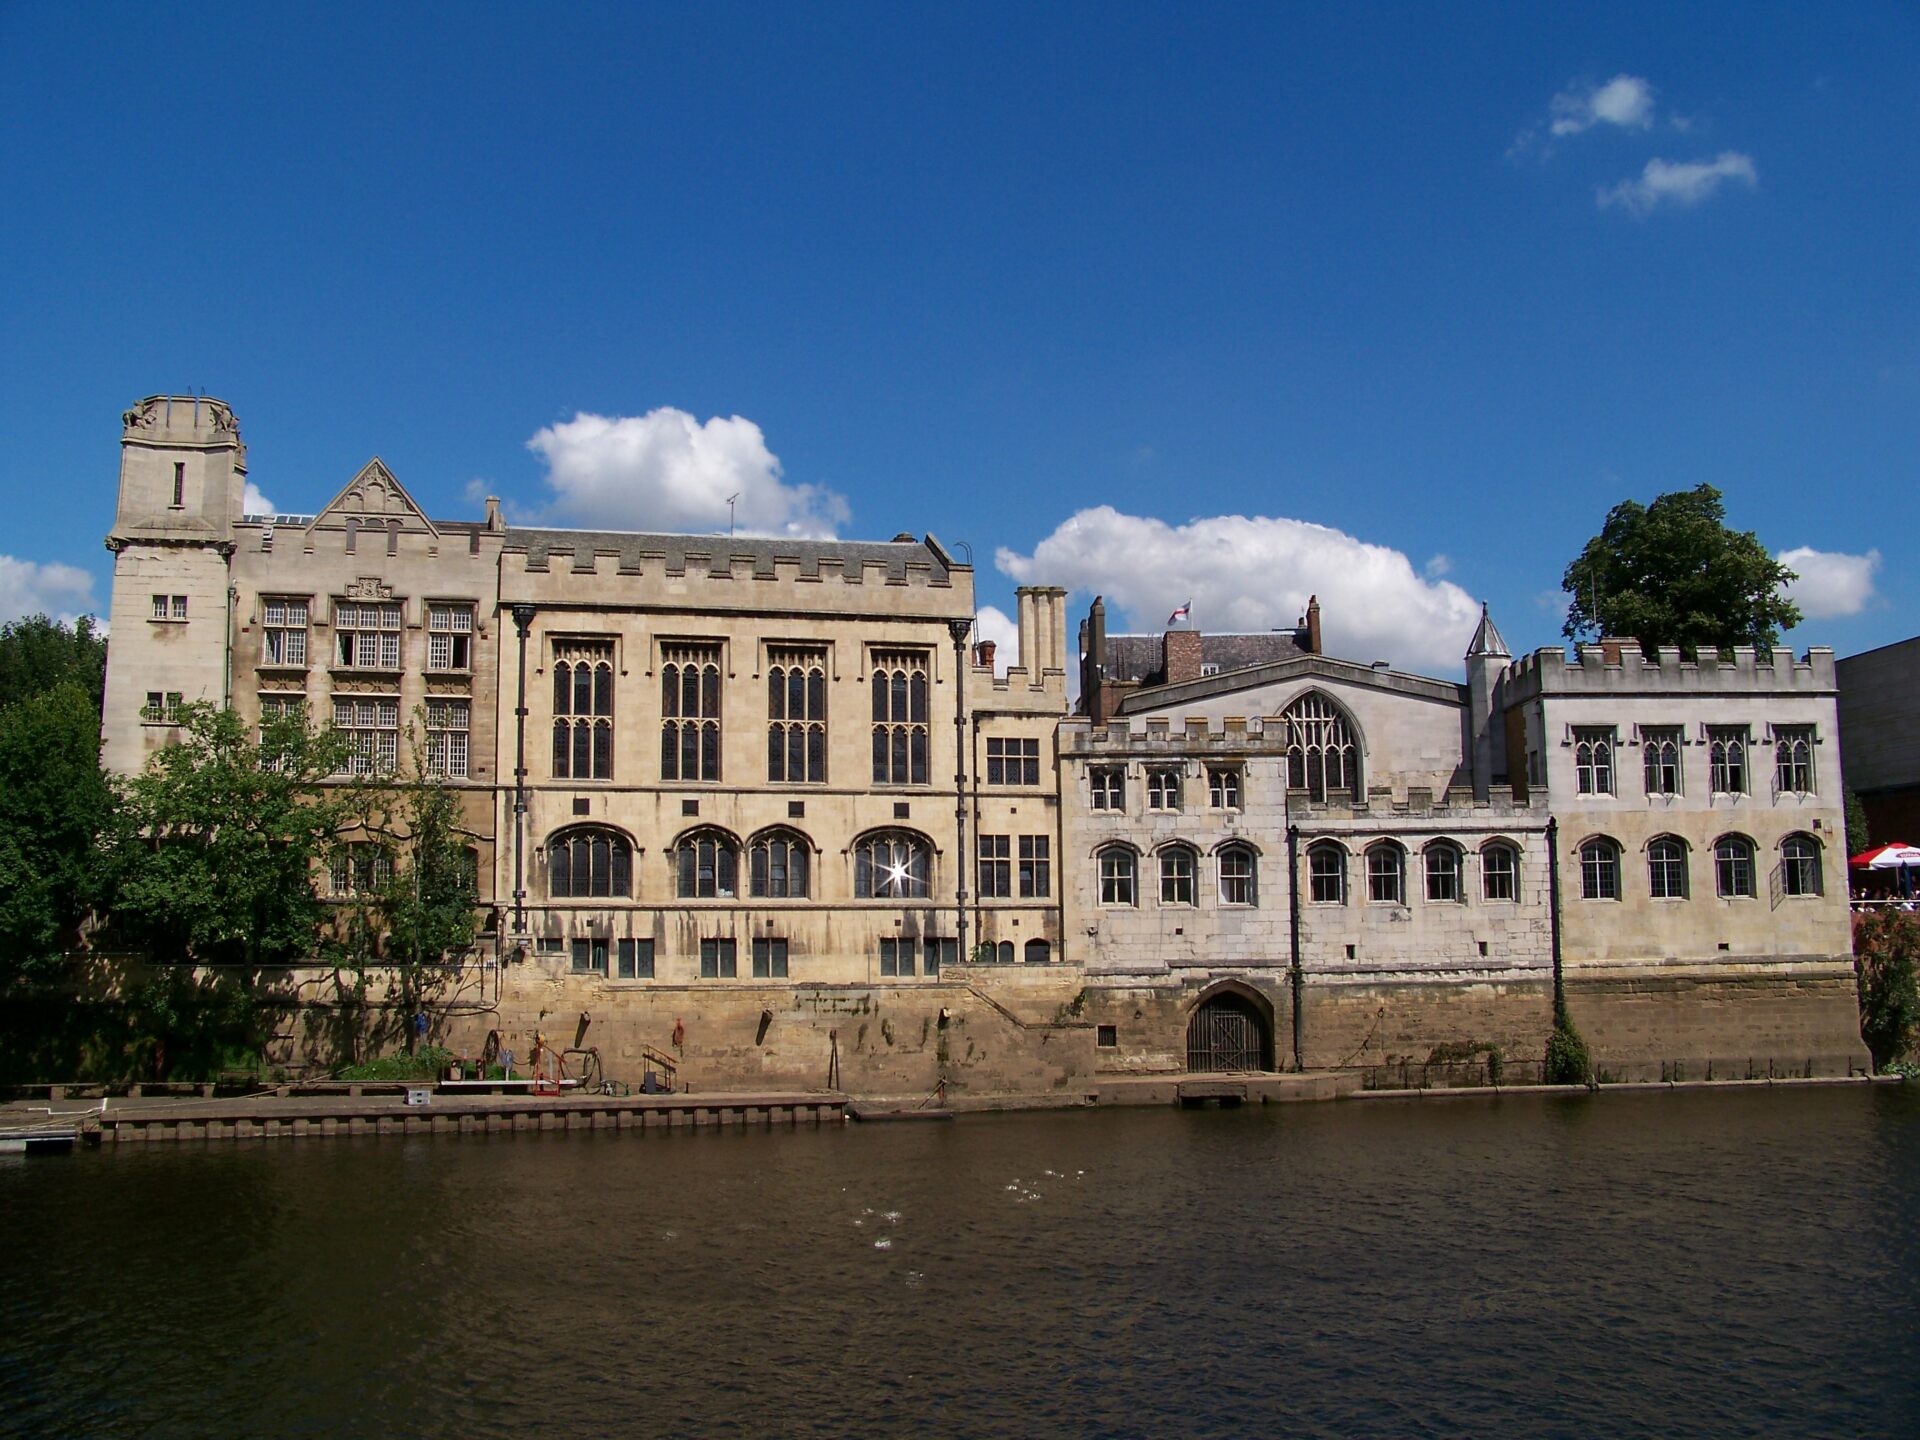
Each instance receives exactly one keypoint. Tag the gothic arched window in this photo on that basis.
(1321, 756)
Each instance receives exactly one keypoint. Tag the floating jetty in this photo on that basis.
(270, 1117)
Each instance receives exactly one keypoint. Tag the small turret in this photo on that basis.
(1487, 662)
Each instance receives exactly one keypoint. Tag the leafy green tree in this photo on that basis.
(54, 807)
(1886, 945)
(1858, 836)
(38, 654)
(1672, 573)
(422, 914)
(220, 840)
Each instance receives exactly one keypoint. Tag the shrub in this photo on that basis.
(1885, 946)
(1567, 1062)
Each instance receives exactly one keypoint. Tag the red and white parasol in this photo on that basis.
(1887, 857)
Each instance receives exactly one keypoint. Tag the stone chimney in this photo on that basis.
(1313, 625)
(493, 513)
(1180, 656)
(1613, 649)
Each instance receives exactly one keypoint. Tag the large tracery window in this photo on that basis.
(777, 866)
(589, 864)
(706, 866)
(690, 712)
(583, 710)
(892, 865)
(1321, 757)
(900, 718)
(797, 716)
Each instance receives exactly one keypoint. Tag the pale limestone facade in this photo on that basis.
(1404, 904)
(766, 797)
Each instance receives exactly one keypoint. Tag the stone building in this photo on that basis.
(1312, 861)
(764, 804)
(764, 796)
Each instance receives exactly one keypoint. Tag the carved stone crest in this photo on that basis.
(368, 587)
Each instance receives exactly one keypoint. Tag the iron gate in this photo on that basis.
(1228, 1032)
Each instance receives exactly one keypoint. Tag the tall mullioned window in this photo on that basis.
(996, 867)
(372, 724)
(366, 636)
(1163, 787)
(589, 864)
(797, 717)
(1238, 876)
(1036, 867)
(1107, 787)
(360, 867)
(1667, 868)
(1660, 757)
(1326, 874)
(1800, 865)
(1387, 874)
(900, 717)
(1500, 872)
(448, 723)
(1727, 758)
(1593, 760)
(690, 712)
(583, 709)
(777, 866)
(273, 710)
(1118, 866)
(1223, 787)
(283, 632)
(1793, 759)
(1600, 869)
(1320, 749)
(1733, 867)
(707, 866)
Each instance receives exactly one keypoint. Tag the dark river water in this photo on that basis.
(1694, 1264)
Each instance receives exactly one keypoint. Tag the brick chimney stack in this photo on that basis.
(983, 655)
(1313, 625)
(1180, 656)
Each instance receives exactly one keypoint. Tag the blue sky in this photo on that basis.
(1415, 292)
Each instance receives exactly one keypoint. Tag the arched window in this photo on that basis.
(777, 866)
(1667, 868)
(1321, 758)
(1733, 867)
(583, 711)
(1800, 866)
(1038, 952)
(1500, 871)
(706, 865)
(1117, 867)
(1326, 874)
(589, 864)
(1600, 869)
(892, 865)
(1177, 867)
(1239, 876)
(1387, 874)
(1443, 867)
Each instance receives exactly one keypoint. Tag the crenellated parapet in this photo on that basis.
(1617, 668)
(1196, 736)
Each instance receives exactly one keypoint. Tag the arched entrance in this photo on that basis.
(1231, 1029)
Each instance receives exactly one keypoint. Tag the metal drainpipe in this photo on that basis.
(1553, 916)
(1293, 920)
(959, 629)
(523, 621)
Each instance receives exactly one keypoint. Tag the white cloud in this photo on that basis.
(255, 503)
(1829, 584)
(1253, 573)
(63, 592)
(1667, 182)
(666, 471)
(993, 623)
(1625, 100)
(1437, 566)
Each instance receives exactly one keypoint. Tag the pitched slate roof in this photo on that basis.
(1140, 657)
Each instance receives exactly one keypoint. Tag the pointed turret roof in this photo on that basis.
(1486, 639)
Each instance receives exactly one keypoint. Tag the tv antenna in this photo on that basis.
(730, 499)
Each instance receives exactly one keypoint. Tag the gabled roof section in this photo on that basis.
(1319, 667)
(1486, 640)
(374, 494)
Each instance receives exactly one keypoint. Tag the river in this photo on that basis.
(1676, 1264)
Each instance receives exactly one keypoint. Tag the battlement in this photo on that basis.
(904, 561)
(1621, 669)
(1235, 735)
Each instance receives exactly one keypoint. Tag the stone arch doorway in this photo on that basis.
(1230, 1029)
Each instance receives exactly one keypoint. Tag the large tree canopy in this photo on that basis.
(36, 654)
(1672, 573)
(222, 837)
